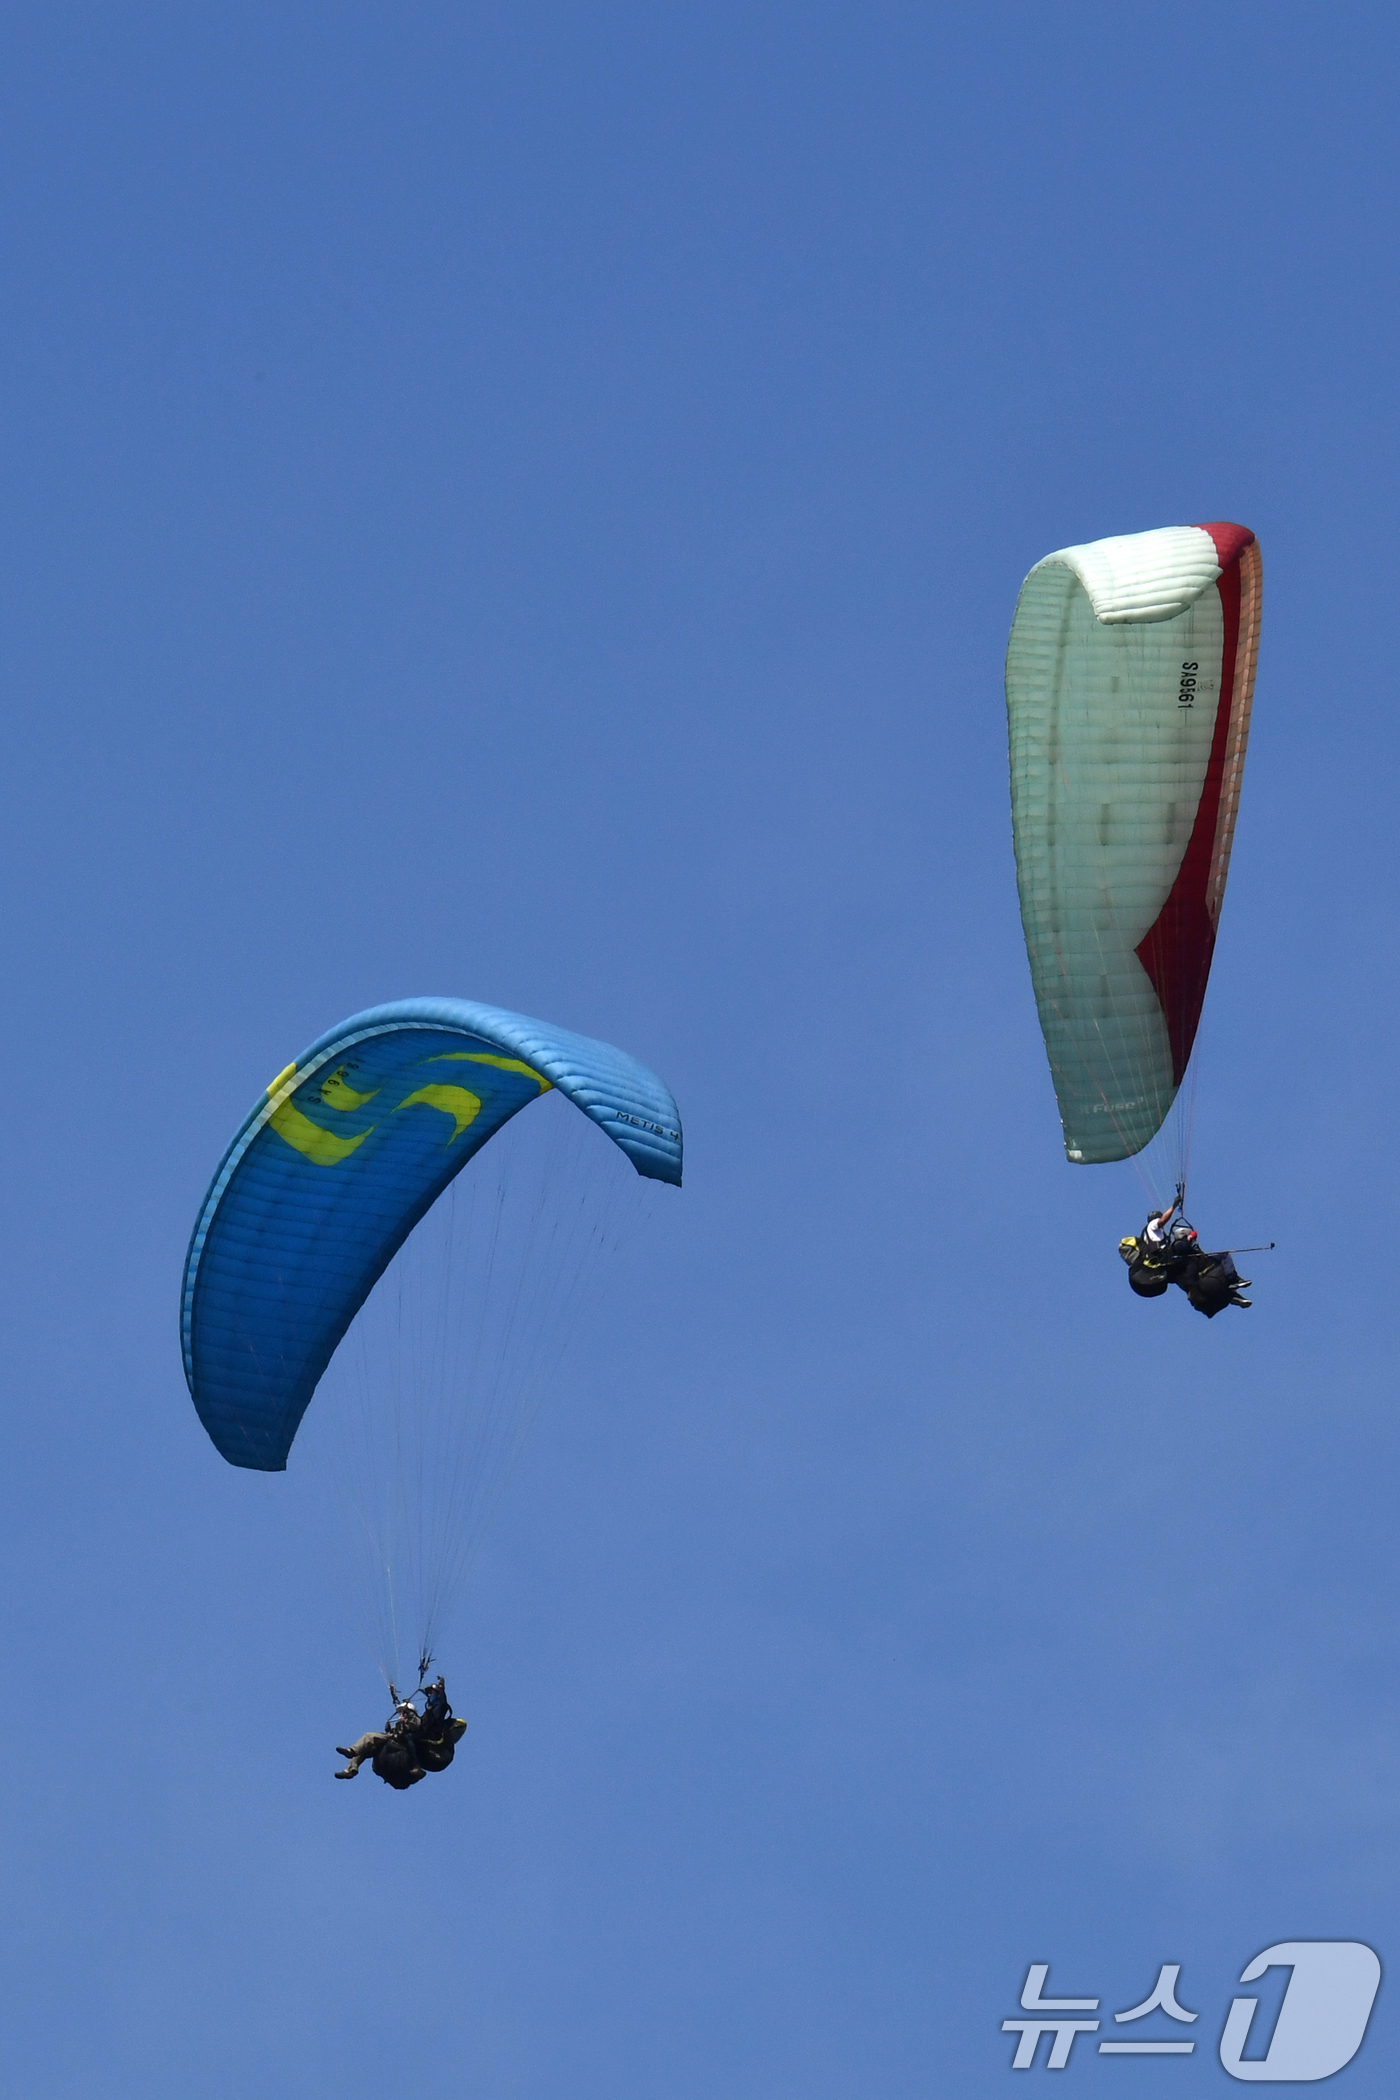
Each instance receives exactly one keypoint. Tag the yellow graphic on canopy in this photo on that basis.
(337, 1093)
(322, 1147)
(453, 1101)
(484, 1057)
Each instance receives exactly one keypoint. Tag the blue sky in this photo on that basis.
(527, 504)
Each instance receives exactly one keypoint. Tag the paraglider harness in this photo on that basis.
(1149, 1272)
(436, 1732)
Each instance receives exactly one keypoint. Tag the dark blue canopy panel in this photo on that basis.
(334, 1167)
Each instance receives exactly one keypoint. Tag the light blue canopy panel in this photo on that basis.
(334, 1167)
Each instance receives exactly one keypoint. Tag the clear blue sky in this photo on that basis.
(527, 504)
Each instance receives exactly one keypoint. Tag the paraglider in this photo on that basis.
(350, 1147)
(1129, 682)
(410, 1744)
(1163, 1254)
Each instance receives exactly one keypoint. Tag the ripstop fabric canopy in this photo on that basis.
(334, 1167)
(1129, 680)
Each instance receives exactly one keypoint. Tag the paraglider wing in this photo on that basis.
(335, 1166)
(1129, 678)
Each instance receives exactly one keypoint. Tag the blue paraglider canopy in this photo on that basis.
(331, 1171)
